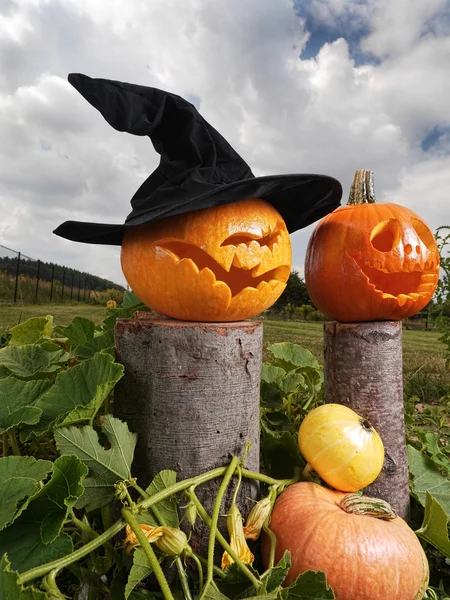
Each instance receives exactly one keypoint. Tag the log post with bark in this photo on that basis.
(363, 370)
(191, 393)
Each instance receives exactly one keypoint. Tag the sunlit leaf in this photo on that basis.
(32, 331)
(77, 393)
(106, 467)
(426, 477)
(434, 529)
(290, 356)
(32, 359)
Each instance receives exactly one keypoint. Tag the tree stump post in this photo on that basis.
(191, 393)
(363, 370)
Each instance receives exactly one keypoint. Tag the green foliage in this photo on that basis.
(67, 461)
(290, 385)
(106, 467)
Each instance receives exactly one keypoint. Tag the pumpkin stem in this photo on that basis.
(361, 191)
(370, 507)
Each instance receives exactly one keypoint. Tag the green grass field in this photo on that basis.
(423, 362)
(12, 314)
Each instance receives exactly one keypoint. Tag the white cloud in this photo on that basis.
(60, 160)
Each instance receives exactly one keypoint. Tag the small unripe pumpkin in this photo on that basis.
(365, 550)
(342, 447)
(371, 262)
(224, 263)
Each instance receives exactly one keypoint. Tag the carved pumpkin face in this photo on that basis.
(371, 262)
(225, 263)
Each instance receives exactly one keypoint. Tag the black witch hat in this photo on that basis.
(198, 167)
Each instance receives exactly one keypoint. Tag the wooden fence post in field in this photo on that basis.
(363, 370)
(191, 393)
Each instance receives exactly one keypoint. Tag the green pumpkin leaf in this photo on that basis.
(33, 359)
(35, 537)
(292, 382)
(280, 453)
(106, 467)
(78, 332)
(96, 344)
(311, 585)
(166, 508)
(17, 400)
(23, 543)
(77, 393)
(426, 477)
(211, 592)
(434, 529)
(20, 478)
(236, 584)
(32, 331)
(59, 495)
(130, 300)
(291, 356)
(10, 589)
(271, 374)
(275, 577)
(140, 570)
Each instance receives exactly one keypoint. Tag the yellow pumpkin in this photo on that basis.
(225, 263)
(342, 447)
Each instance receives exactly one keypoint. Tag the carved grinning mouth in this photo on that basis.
(238, 276)
(401, 284)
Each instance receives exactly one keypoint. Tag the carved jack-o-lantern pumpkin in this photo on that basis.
(225, 263)
(368, 261)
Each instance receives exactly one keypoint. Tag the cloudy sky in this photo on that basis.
(318, 86)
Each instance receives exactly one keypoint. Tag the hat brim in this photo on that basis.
(300, 200)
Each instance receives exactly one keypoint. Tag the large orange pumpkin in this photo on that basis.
(369, 262)
(363, 557)
(225, 263)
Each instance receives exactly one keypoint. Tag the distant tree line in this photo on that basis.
(47, 271)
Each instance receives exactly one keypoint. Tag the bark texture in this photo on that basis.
(363, 370)
(191, 393)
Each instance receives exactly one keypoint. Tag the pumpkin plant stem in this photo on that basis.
(149, 552)
(180, 567)
(215, 517)
(5, 444)
(14, 444)
(223, 542)
(65, 561)
(93, 534)
(361, 191)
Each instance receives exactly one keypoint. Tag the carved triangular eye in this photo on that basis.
(424, 234)
(385, 235)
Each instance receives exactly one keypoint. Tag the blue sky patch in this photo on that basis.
(435, 139)
(348, 26)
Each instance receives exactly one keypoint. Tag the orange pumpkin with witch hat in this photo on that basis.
(206, 240)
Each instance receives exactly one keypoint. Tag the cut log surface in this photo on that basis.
(191, 393)
(363, 370)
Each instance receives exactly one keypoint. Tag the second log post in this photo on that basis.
(191, 393)
(363, 370)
